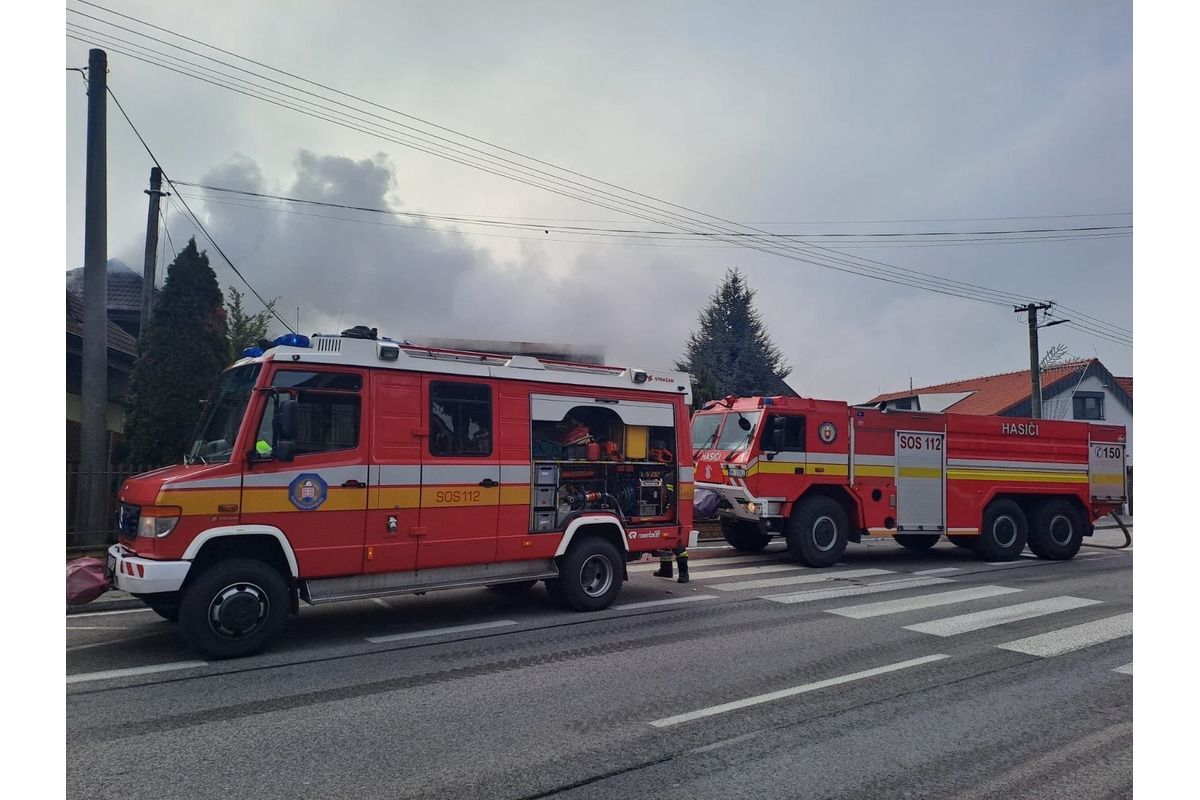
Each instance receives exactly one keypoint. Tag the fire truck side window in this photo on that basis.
(788, 435)
(460, 419)
(329, 413)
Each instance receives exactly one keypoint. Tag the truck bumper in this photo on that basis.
(129, 573)
(740, 502)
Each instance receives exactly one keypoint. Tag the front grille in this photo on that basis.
(127, 520)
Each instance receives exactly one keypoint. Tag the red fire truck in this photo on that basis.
(822, 473)
(352, 466)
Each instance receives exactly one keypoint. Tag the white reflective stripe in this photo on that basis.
(229, 482)
(510, 474)
(823, 458)
(874, 461)
(333, 476)
(1033, 466)
(1076, 637)
(806, 577)
(397, 475)
(555, 408)
(459, 473)
(687, 474)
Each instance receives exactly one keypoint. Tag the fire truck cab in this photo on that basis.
(339, 467)
(822, 473)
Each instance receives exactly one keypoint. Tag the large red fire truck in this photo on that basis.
(352, 466)
(822, 473)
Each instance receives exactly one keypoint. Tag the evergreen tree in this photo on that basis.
(180, 356)
(245, 329)
(731, 353)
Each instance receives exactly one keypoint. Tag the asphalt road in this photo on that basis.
(890, 675)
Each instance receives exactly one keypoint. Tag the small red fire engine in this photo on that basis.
(823, 473)
(346, 467)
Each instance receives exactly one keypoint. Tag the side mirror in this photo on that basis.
(285, 450)
(288, 427)
(744, 423)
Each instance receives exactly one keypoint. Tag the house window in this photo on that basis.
(1088, 405)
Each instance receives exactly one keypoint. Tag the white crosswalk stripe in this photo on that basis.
(1076, 637)
(965, 623)
(923, 601)
(813, 595)
(810, 576)
(1126, 668)
(702, 564)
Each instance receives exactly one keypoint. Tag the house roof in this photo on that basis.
(124, 286)
(118, 339)
(995, 394)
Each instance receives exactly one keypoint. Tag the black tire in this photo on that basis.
(1004, 531)
(167, 608)
(965, 542)
(590, 576)
(917, 542)
(744, 536)
(514, 588)
(817, 532)
(234, 608)
(1056, 530)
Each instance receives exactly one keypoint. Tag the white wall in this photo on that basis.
(1060, 407)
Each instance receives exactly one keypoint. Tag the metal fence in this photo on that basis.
(92, 503)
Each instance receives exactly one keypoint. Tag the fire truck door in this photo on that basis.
(920, 481)
(1106, 471)
(460, 474)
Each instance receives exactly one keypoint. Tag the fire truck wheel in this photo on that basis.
(816, 532)
(234, 608)
(1004, 531)
(589, 576)
(745, 536)
(167, 608)
(916, 541)
(1055, 530)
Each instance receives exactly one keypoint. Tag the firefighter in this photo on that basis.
(680, 556)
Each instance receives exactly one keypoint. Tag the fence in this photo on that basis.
(91, 523)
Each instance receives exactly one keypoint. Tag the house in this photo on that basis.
(1082, 390)
(122, 351)
(124, 288)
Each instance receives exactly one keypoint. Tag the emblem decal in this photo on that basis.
(308, 491)
(827, 432)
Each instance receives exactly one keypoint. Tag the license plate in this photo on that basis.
(111, 566)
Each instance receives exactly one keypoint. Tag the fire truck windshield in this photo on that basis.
(734, 436)
(222, 416)
(704, 430)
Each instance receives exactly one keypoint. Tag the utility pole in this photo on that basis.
(1035, 374)
(148, 268)
(93, 422)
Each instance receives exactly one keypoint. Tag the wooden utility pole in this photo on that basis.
(1035, 373)
(148, 267)
(92, 516)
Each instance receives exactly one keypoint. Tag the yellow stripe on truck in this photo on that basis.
(1005, 475)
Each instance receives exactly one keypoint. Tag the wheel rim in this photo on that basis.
(1062, 531)
(596, 576)
(1004, 531)
(824, 533)
(238, 611)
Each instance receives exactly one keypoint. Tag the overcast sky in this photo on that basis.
(796, 118)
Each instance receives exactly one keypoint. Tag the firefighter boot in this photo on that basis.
(683, 569)
(664, 568)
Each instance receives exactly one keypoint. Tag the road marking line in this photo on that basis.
(965, 623)
(711, 563)
(1076, 637)
(107, 613)
(671, 601)
(851, 591)
(1028, 555)
(678, 719)
(380, 601)
(938, 571)
(96, 628)
(808, 577)
(397, 637)
(123, 673)
(116, 641)
(1127, 669)
(735, 571)
(924, 601)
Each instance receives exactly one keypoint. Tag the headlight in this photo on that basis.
(737, 472)
(157, 521)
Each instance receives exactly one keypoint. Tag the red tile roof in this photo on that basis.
(1126, 384)
(994, 394)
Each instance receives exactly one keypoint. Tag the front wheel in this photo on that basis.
(1004, 531)
(1055, 530)
(234, 608)
(590, 576)
(744, 536)
(817, 532)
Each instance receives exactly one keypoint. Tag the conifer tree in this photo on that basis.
(731, 353)
(245, 329)
(180, 356)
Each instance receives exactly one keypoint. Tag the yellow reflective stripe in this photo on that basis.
(273, 499)
(687, 491)
(1116, 479)
(459, 496)
(394, 497)
(869, 471)
(514, 495)
(205, 501)
(789, 468)
(920, 472)
(1003, 475)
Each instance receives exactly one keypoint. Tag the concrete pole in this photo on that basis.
(94, 423)
(149, 264)
(1035, 374)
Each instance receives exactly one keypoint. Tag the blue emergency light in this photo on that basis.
(252, 352)
(291, 340)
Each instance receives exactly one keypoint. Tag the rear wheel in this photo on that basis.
(745, 536)
(590, 576)
(817, 532)
(1004, 531)
(1056, 530)
(918, 542)
(234, 608)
